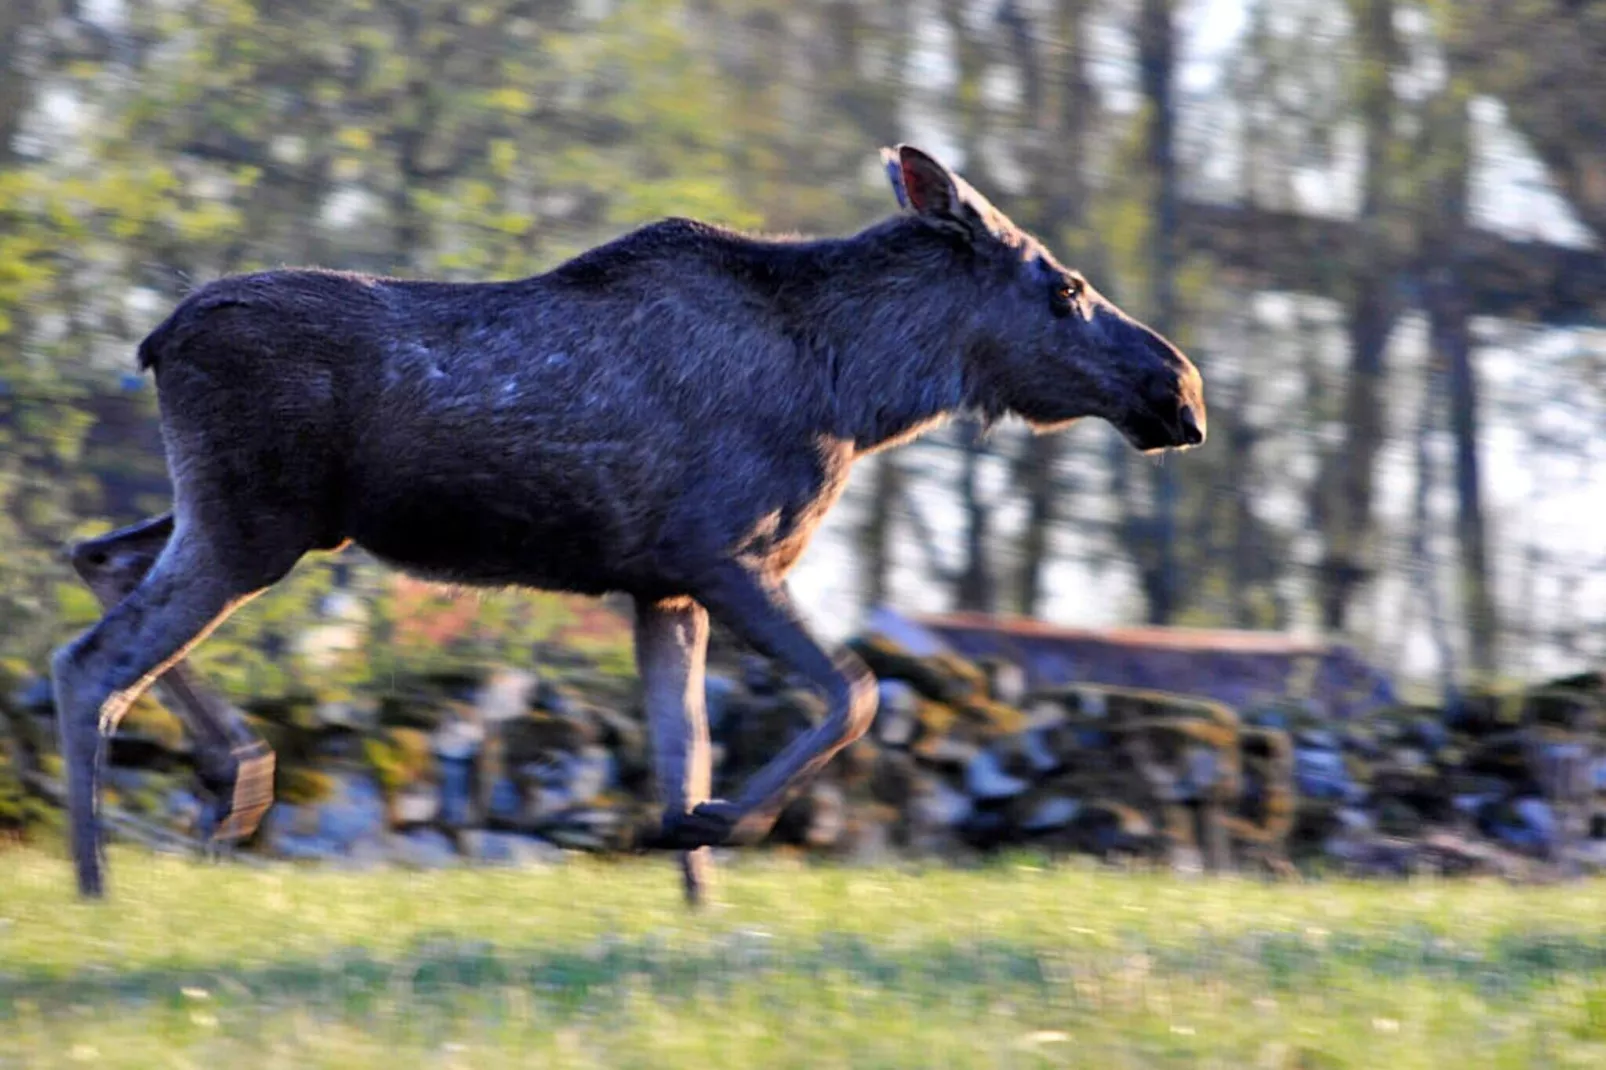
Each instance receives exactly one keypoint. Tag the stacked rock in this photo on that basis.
(963, 757)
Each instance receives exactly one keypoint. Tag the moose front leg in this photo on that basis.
(761, 613)
(671, 653)
(233, 762)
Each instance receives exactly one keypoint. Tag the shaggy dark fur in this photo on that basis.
(670, 415)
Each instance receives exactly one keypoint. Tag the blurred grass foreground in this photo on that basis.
(596, 963)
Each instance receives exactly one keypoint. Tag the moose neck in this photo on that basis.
(889, 313)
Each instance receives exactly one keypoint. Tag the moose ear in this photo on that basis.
(889, 160)
(927, 187)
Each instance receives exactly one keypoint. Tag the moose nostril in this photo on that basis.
(1192, 433)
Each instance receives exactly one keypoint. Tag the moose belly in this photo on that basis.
(498, 530)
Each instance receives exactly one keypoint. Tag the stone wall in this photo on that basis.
(968, 754)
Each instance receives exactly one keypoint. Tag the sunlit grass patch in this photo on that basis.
(597, 964)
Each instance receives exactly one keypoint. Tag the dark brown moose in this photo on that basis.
(668, 415)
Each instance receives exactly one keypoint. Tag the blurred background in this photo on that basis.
(1375, 226)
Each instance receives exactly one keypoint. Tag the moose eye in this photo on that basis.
(1066, 294)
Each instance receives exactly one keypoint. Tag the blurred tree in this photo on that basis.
(1446, 189)
(1344, 505)
(1157, 65)
(1059, 112)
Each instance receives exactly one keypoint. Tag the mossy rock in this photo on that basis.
(1450, 757)
(894, 778)
(293, 711)
(1358, 769)
(1315, 822)
(1136, 704)
(625, 737)
(417, 700)
(1397, 817)
(1421, 790)
(1175, 731)
(761, 731)
(944, 678)
(297, 745)
(301, 786)
(1501, 756)
(149, 798)
(1055, 794)
(279, 737)
(532, 737)
(1267, 818)
(966, 680)
(1287, 713)
(1095, 704)
(1268, 804)
(1104, 826)
(1175, 746)
(411, 710)
(1592, 682)
(992, 719)
(1268, 745)
(1564, 709)
(1487, 711)
(933, 720)
(854, 766)
(1005, 678)
(1081, 703)
(400, 758)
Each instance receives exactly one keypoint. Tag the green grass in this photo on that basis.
(597, 964)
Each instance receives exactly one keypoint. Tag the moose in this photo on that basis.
(667, 416)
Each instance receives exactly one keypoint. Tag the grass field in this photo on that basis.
(596, 964)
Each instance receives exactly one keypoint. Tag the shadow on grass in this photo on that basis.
(445, 968)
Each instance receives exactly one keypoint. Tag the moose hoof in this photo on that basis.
(709, 824)
(90, 872)
(242, 802)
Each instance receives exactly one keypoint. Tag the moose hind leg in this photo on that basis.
(234, 763)
(671, 652)
(761, 612)
(97, 675)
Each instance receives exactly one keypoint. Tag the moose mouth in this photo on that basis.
(1150, 432)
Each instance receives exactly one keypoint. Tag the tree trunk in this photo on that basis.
(1156, 59)
(1348, 480)
(1062, 103)
(1448, 311)
(975, 591)
(1424, 573)
(875, 533)
(17, 18)
(1037, 480)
